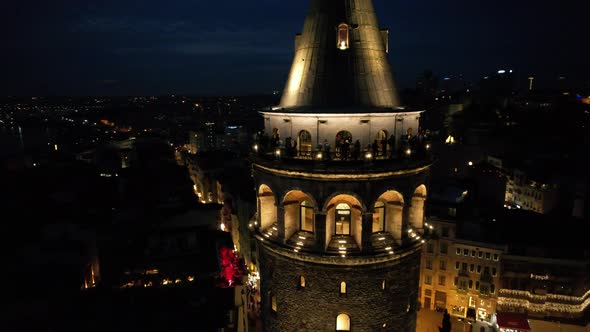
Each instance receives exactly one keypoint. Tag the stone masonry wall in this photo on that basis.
(316, 306)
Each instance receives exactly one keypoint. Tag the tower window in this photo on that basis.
(379, 217)
(343, 322)
(273, 302)
(342, 37)
(343, 218)
(301, 282)
(343, 289)
(306, 216)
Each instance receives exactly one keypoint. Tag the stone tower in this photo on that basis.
(341, 175)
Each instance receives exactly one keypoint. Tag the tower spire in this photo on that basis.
(340, 60)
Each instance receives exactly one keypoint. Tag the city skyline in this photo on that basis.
(122, 48)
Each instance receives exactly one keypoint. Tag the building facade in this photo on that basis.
(341, 174)
(460, 275)
(545, 288)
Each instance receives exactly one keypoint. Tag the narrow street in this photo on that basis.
(429, 321)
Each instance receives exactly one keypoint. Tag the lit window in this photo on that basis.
(342, 42)
(379, 217)
(383, 284)
(306, 216)
(343, 322)
(301, 282)
(343, 288)
(273, 302)
(343, 218)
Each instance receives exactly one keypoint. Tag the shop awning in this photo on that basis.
(513, 322)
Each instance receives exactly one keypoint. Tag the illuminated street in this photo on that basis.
(429, 321)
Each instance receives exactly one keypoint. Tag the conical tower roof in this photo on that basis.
(340, 60)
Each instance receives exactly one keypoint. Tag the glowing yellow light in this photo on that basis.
(55, 147)
(190, 278)
(470, 163)
(319, 156)
(278, 152)
(343, 45)
(450, 140)
(222, 227)
(408, 152)
(256, 147)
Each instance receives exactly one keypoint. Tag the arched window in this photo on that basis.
(343, 144)
(301, 282)
(342, 137)
(304, 143)
(342, 36)
(306, 216)
(343, 218)
(343, 322)
(273, 302)
(342, 290)
(381, 141)
(379, 217)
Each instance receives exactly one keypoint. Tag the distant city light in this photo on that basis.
(501, 71)
(470, 163)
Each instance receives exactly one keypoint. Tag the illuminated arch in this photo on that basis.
(299, 212)
(417, 209)
(342, 40)
(343, 217)
(393, 202)
(381, 138)
(343, 322)
(304, 144)
(266, 206)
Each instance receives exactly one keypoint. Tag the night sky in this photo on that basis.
(108, 47)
